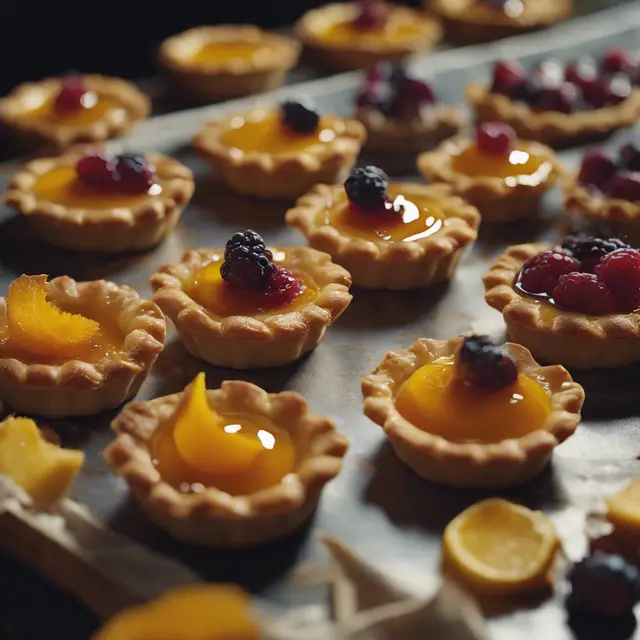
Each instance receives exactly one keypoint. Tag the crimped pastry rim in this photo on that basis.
(135, 104)
(333, 283)
(437, 166)
(304, 29)
(599, 207)
(177, 181)
(378, 389)
(285, 51)
(461, 230)
(526, 310)
(143, 340)
(553, 123)
(129, 458)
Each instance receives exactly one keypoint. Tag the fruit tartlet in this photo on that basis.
(94, 201)
(235, 466)
(468, 413)
(55, 113)
(504, 177)
(606, 192)
(206, 64)
(476, 21)
(388, 236)
(280, 152)
(72, 348)
(561, 106)
(577, 304)
(247, 306)
(358, 34)
(402, 116)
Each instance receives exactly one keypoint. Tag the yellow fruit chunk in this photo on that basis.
(201, 439)
(197, 612)
(624, 508)
(500, 547)
(42, 469)
(38, 326)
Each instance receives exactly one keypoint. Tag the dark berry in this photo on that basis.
(582, 72)
(604, 585)
(73, 88)
(608, 91)
(282, 287)
(507, 78)
(249, 239)
(540, 273)
(583, 292)
(370, 14)
(495, 138)
(563, 98)
(366, 188)
(591, 250)
(620, 272)
(299, 117)
(482, 363)
(630, 157)
(618, 60)
(411, 97)
(247, 269)
(97, 171)
(598, 167)
(625, 185)
(136, 174)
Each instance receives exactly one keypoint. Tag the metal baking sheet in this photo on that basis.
(376, 505)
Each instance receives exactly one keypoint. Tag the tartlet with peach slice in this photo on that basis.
(468, 413)
(247, 305)
(90, 200)
(72, 348)
(395, 236)
(235, 466)
(56, 113)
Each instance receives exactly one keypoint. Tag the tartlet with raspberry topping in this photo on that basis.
(388, 236)
(56, 113)
(577, 304)
(90, 200)
(280, 152)
(560, 106)
(504, 177)
(248, 306)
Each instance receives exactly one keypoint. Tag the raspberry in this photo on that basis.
(625, 186)
(508, 77)
(585, 293)
(495, 138)
(563, 98)
(540, 273)
(72, 90)
(411, 96)
(598, 167)
(136, 174)
(97, 171)
(377, 91)
(618, 60)
(248, 239)
(299, 117)
(607, 91)
(482, 363)
(582, 72)
(591, 250)
(282, 287)
(366, 187)
(247, 269)
(370, 14)
(620, 272)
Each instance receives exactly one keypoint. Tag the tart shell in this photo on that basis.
(78, 388)
(470, 464)
(390, 265)
(212, 517)
(134, 228)
(573, 339)
(245, 342)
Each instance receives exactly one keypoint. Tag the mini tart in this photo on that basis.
(382, 264)
(212, 517)
(573, 339)
(125, 107)
(411, 32)
(469, 22)
(266, 339)
(495, 198)
(58, 388)
(470, 464)
(106, 223)
(227, 61)
(285, 173)
(552, 127)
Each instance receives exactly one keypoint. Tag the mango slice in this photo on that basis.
(38, 326)
(43, 470)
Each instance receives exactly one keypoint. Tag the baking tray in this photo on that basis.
(376, 505)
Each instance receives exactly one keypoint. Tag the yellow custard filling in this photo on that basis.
(220, 53)
(391, 30)
(435, 401)
(95, 107)
(235, 452)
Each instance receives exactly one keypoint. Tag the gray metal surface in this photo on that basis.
(377, 505)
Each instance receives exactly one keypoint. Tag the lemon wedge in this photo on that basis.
(624, 508)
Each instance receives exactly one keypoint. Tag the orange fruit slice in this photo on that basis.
(624, 507)
(498, 546)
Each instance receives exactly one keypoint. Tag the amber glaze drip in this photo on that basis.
(97, 107)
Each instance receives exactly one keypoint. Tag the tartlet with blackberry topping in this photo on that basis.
(577, 304)
(280, 152)
(469, 413)
(388, 236)
(248, 306)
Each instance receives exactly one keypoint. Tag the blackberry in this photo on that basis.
(485, 364)
(136, 175)
(247, 269)
(249, 239)
(366, 187)
(590, 250)
(299, 117)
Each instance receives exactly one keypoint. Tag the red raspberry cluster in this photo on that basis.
(126, 173)
(617, 177)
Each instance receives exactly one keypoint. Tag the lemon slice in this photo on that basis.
(498, 546)
(624, 507)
